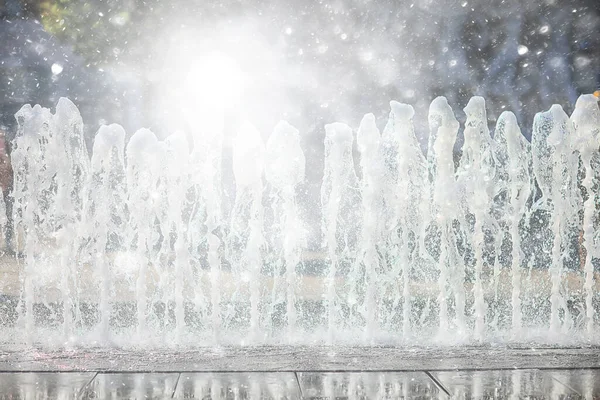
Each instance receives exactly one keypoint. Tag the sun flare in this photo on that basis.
(214, 79)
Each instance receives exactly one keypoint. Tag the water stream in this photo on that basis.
(135, 243)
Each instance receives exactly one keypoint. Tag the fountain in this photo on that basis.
(135, 245)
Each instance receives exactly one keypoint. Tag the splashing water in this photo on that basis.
(135, 246)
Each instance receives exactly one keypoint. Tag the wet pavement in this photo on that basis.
(493, 384)
(283, 358)
(285, 372)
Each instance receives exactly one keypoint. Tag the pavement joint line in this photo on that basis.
(82, 390)
(567, 385)
(438, 383)
(175, 387)
(298, 383)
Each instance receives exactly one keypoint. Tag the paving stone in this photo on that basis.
(134, 385)
(504, 384)
(240, 385)
(44, 385)
(294, 358)
(368, 385)
(586, 382)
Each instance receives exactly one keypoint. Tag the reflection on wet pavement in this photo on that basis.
(132, 386)
(233, 385)
(459, 384)
(368, 385)
(46, 385)
(538, 384)
(585, 382)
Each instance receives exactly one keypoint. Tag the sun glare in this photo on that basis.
(215, 79)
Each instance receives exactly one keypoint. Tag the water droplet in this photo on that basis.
(56, 69)
(522, 50)
(582, 61)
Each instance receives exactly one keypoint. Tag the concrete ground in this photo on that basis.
(281, 372)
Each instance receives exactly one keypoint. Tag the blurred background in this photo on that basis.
(142, 63)
(308, 62)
